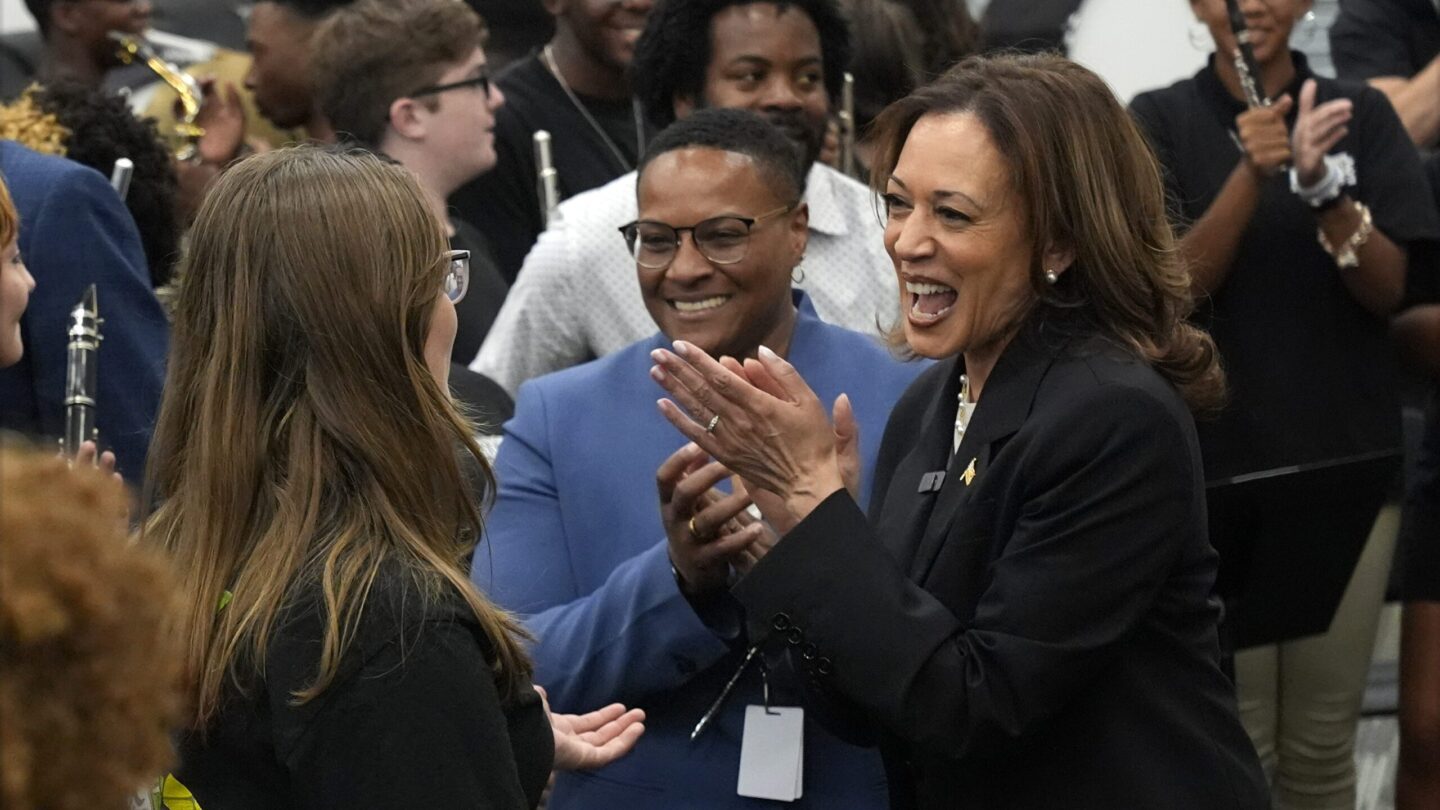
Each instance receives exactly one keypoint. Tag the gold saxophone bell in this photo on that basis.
(132, 49)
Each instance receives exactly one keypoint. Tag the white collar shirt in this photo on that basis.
(577, 296)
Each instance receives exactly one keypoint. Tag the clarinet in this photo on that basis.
(81, 367)
(548, 180)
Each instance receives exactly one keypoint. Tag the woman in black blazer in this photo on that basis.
(1026, 620)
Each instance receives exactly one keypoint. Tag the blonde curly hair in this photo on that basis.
(88, 679)
(24, 121)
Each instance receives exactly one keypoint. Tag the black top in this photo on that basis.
(505, 202)
(477, 310)
(1372, 38)
(412, 720)
(1312, 374)
(1040, 632)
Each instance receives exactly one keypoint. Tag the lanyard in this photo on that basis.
(730, 687)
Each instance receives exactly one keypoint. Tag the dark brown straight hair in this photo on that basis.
(1088, 181)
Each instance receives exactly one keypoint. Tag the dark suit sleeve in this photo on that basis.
(1107, 503)
(79, 235)
(420, 726)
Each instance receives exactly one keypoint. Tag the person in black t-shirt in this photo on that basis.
(1417, 777)
(75, 36)
(576, 89)
(410, 81)
(1394, 45)
(516, 28)
(315, 490)
(1299, 271)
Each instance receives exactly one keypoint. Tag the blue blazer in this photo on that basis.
(576, 547)
(75, 231)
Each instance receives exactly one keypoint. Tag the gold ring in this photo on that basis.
(693, 532)
(714, 420)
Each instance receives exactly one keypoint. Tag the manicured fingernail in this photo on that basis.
(658, 356)
(767, 354)
(657, 374)
(682, 348)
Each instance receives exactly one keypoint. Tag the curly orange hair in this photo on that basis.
(88, 677)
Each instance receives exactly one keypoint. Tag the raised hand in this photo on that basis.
(702, 524)
(1265, 137)
(778, 440)
(587, 741)
(1317, 130)
(223, 117)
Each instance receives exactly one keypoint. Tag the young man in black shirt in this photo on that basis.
(75, 33)
(576, 89)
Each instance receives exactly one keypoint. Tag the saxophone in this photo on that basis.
(81, 369)
(133, 49)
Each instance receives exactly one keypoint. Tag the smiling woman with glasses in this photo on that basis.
(722, 240)
(616, 583)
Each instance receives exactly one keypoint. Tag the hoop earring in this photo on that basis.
(797, 274)
(1199, 37)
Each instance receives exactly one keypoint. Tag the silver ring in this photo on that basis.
(714, 420)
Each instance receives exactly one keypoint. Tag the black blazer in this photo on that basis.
(1041, 635)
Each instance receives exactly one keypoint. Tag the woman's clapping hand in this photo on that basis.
(771, 428)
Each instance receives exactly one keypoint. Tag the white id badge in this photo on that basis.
(772, 753)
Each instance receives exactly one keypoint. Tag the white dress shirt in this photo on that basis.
(577, 296)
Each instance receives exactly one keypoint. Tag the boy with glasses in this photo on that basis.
(408, 79)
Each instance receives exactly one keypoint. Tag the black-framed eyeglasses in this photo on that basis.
(722, 240)
(456, 281)
(482, 81)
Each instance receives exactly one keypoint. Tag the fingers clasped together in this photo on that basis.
(760, 420)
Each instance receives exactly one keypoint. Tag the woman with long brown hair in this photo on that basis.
(1026, 619)
(316, 493)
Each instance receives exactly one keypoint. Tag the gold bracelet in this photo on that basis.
(1349, 253)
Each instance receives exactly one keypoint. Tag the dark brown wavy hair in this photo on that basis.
(89, 677)
(302, 443)
(1090, 182)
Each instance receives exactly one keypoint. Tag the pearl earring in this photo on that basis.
(1051, 276)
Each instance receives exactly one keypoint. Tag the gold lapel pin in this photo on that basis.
(969, 474)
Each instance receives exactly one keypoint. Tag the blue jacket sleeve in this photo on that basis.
(81, 234)
(632, 635)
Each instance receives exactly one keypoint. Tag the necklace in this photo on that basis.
(625, 165)
(964, 408)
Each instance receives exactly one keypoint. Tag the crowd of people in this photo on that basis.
(835, 413)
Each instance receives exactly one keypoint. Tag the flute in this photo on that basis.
(81, 370)
(847, 125)
(1245, 64)
(548, 180)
